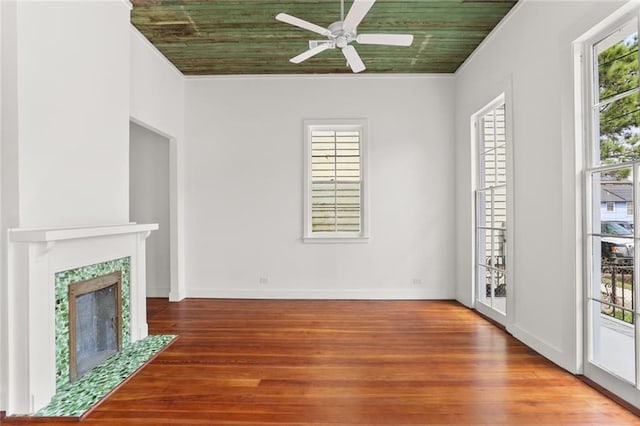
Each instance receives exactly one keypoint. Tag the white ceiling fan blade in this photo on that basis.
(353, 58)
(356, 14)
(283, 17)
(386, 39)
(312, 52)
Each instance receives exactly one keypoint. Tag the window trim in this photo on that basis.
(362, 124)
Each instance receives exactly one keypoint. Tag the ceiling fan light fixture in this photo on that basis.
(342, 33)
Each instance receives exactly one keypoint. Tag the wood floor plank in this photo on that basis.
(259, 362)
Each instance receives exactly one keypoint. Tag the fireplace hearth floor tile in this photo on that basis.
(75, 399)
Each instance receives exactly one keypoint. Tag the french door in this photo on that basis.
(612, 168)
(491, 218)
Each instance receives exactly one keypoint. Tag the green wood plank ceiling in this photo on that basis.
(221, 37)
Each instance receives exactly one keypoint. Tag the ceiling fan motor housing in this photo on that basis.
(339, 36)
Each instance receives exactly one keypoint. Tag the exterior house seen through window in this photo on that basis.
(335, 180)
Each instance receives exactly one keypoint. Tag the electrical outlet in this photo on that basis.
(417, 281)
(264, 280)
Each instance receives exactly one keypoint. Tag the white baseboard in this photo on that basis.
(158, 292)
(175, 296)
(357, 294)
(546, 349)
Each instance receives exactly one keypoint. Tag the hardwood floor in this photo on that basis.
(254, 362)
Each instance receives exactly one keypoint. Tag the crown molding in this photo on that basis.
(372, 76)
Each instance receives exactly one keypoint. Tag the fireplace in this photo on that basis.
(95, 322)
(93, 307)
(43, 264)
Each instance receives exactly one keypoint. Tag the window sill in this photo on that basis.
(331, 239)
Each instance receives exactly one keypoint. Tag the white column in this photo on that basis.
(42, 326)
(138, 289)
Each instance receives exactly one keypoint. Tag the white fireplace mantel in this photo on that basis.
(35, 256)
(50, 235)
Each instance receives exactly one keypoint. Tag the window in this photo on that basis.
(335, 187)
(612, 166)
(490, 127)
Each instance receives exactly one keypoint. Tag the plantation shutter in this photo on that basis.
(493, 178)
(336, 183)
(493, 151)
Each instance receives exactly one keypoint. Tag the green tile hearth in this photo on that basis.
(74, 399)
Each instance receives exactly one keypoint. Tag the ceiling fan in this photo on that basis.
(341, 33)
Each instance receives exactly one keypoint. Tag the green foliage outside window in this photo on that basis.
(619, 130)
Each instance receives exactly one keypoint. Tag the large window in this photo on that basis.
(335, 187)
(612, 165)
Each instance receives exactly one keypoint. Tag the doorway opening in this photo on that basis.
(150, 202)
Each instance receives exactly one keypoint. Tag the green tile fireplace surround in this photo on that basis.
(73, 399)
(62, 281)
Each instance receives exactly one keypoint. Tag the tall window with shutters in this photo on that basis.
(335, 188)
(490, 124)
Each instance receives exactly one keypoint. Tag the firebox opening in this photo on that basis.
(95, 322)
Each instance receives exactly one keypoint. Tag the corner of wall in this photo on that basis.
(8, 168)
(138, 35)
(491, 35)
(2, 245)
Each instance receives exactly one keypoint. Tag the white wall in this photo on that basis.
(244, 187)
(64, 69)
(531, 53)
(149, 202)
(73, 110)
(157, 88)
(157, 103)
(5, 38)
